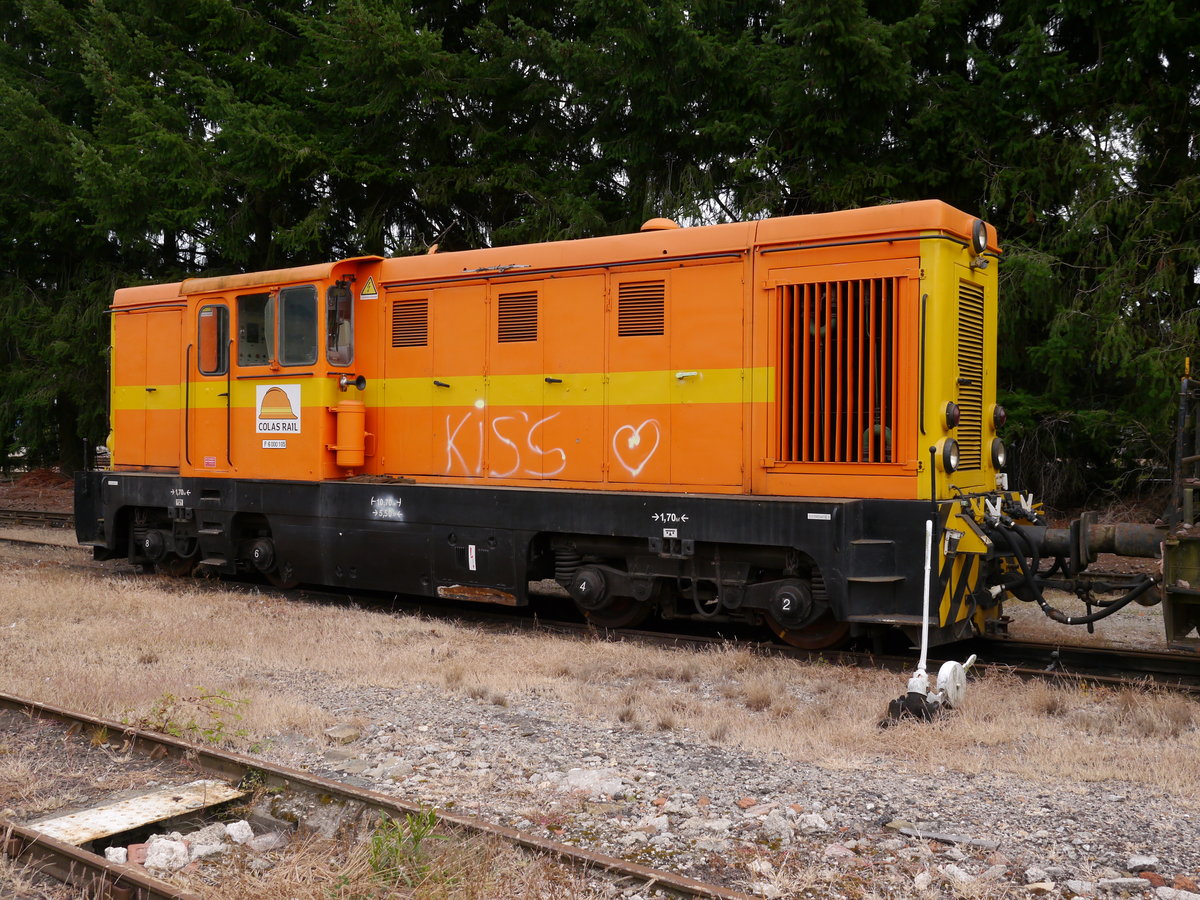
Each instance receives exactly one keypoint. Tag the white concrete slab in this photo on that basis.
(125, 815)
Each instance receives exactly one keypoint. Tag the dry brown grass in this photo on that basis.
(22, 882)
(456, 868)
(116, 647)
(64, 537)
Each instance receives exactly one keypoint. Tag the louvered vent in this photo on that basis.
(410, 323)
(641, 307)
(970, 375)
(837, 382)
(518, 317)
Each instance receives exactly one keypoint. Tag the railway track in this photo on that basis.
(27, 843)
(1171, 669)
(37, 518)
(1114, 666)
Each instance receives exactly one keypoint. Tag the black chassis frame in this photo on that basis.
(487, 543)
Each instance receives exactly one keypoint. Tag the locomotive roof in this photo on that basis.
(879, 222)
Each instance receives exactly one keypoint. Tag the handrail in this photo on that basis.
(187, 415)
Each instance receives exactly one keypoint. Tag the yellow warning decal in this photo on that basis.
(369, 291)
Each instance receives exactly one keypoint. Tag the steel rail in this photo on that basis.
(37, 517)
(249, 770)
(1177, 670)
(29, 542)
(97, 876)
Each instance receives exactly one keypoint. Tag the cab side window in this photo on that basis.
(298, 326)
(212, 340)
(339, 325)
(256, 329)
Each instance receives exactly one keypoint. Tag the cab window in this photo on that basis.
(212, 340)
(339, 325)
(256, 330)
(298, 326)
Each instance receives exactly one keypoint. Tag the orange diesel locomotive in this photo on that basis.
(745, 421)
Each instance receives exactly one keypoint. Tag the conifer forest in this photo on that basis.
(152, 140)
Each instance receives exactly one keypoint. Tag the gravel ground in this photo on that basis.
(775, 826)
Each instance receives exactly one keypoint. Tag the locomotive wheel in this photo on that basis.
(285, 578)
(623, 612)
(823, 634)
(284, 584)
(176, 566)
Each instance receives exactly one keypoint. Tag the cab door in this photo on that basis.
(208, 391)
(279, 395)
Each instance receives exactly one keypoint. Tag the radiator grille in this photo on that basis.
(836, 398)
(641, 308)
(970, 375)
(410, 323)
(518, 317)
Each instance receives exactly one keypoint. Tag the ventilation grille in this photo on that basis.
(518, 317)
(970, 375)
(641, 307)
(837, 381)
(410, 323)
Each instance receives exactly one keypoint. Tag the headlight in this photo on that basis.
(999, 416)
(978, 236)
(951, 415)
(947, 454)
(999, 453)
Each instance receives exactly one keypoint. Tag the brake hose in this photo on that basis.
(1010, 538)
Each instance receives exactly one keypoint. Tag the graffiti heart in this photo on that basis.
(632, 446)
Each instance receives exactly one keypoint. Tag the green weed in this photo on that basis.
(397, 853)
(208, 717)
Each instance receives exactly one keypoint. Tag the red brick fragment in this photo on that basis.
(1154, 878)
(746, 803)
(1184, 883)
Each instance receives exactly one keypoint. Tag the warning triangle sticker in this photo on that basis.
(369, 291)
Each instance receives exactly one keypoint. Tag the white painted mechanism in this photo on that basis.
(952, 676)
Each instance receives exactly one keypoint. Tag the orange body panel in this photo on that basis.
(149, 375)
(652, 361)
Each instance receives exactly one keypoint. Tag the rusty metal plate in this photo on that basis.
(476, 594)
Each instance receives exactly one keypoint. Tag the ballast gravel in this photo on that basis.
(754, 821)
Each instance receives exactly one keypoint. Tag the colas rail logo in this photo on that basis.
(277, 409)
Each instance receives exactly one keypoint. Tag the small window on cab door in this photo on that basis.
(298, 326)
(212, 340)
(339, 324)
(256, 329)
